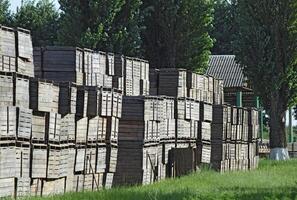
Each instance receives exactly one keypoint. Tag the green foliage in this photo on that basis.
(41, 18)
(273, 180)
(267, 48)
(5, 15)
(225, 27)
(176, 33)
(109, 25)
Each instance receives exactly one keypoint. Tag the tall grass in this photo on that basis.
(273, 180)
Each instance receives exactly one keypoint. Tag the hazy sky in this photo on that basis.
(15, 3)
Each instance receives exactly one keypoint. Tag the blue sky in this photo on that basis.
(15, 3)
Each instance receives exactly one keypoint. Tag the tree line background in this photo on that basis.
(168, 33)
(181, 33)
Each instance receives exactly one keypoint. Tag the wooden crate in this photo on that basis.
(7, 186)
(205, 131)
(8, 162)
(24, 41)
(81, 130)
(182, 160)
(154, 81)
(90, 162)
(183, 129)
(119, 65)
(88, 60)
(131, 130)
(8, 63)
(80, 157)
(39, 161)
(188, 109)
(112, 129)
(67, 98)
(15, 122)
(46, 127)
(143, 108)
(129, 164)
(219, 152)
(82, 101)
(7, 42)
(23, 158)
(110, 67)
(101, 158)
(62, 59)
(108, 180)
(14, 90)
(23, 187)
(44, 96)
(173, 82)
(93, 107)
(53, 187)
(150, 164)
(117, 104)
(111, 158)
(106, 101)
(219, 132)
(204, 153)
(167, 129)
(99, 62)
(206, 112)
(57, 161)
(67, 131)
(118, 83)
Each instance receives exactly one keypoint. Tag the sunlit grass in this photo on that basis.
(273, 180)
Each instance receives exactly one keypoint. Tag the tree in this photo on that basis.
(176, 33)
(5, 15)
(267, 48)
(225, 27)
(108, 25)
(41, 18)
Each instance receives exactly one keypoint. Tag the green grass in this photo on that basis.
(273, 180)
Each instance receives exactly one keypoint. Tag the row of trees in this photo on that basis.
(262, 35)
(168, 33)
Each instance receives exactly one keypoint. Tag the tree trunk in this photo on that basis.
(278, 140)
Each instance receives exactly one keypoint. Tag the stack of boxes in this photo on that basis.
(16, 66)
(139, 136)
(76, 131)
(55, 136)
(92, 68)
(234, 147)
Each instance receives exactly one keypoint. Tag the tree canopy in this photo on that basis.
(42, 18)
(267, 48)
(109, 25)
(176, 33)
(225, 27)
(5, 15)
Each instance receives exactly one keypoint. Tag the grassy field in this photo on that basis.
(273, 180)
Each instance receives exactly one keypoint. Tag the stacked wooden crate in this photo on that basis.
(139, 136)
(59, 64)
(233, 146)
(172, 82)
(253, 137)
(204, 136)
(92, 68)
(98, 68)
(131, 75)
(16, 51)
(96, 122)
(16, 66)
(183, 83)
